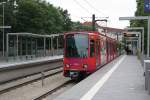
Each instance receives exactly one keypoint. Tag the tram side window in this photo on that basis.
(92, 49)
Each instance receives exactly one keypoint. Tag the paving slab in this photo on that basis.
(22, 62)
(126, 82)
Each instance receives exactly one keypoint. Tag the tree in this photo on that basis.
(30, 17)
(9, 8)
(35, 16)
(67, 23)
(140, 23)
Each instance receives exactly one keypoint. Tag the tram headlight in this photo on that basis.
(67, 65)
(85, 65)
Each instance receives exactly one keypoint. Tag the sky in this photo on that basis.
(82, 10)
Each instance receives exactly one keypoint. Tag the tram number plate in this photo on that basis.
(73, 74)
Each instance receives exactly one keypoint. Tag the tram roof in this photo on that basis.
(82, 32)
(90, 33)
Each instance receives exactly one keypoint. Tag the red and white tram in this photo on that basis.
(85, 52)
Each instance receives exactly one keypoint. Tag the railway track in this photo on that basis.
(34, 90)
(50, 72)
(36, 77)
(53, 90)
(20, 71)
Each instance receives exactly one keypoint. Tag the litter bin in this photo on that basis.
(149, 82)
(146, 71)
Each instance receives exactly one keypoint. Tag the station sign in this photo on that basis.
(130, 35)
(147, 6)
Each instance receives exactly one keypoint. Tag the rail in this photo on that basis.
(33, 78)
(26, 69)
(52, 91)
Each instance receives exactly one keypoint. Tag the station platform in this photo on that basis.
(6, 64)
(122, 79)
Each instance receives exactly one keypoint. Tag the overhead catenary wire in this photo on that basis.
(82, 18)
(94, 7)
(82, 6)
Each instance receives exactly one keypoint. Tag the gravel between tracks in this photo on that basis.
(33, 90)
(57, 93)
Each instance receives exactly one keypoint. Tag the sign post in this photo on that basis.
(3, 27)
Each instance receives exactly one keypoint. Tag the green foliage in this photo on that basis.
(67, 23)
(8, 8)
(140, 23)
(38, 16)
(35, 16)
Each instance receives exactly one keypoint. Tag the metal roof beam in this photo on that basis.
(134, 18)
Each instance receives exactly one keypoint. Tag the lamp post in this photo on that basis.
(3, 28)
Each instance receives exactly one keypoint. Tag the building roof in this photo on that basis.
(88, 24)
(109, 29)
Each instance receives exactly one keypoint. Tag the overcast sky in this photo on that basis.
(101, 8)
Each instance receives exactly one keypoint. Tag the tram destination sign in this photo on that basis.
(147, 6)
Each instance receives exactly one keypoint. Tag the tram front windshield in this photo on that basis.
(76, 46)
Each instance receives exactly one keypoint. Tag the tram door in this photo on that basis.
(103, 51)
(92, 53)
(92, 48)
(108, 50)
(97, 52)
